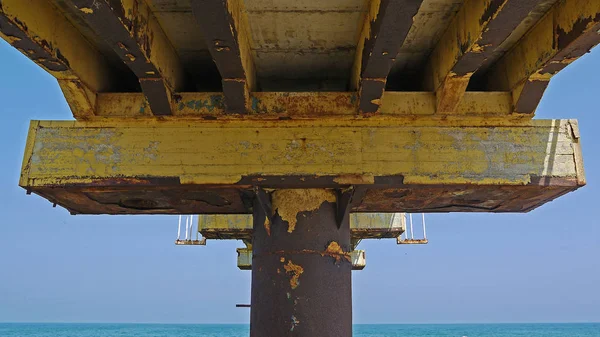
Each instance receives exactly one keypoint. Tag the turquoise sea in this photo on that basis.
(379, 330)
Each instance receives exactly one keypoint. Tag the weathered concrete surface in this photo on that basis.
(239, 226)
(178, 167)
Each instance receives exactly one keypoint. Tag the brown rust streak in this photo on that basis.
(333, 250)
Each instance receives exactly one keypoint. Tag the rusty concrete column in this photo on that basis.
(301, 268)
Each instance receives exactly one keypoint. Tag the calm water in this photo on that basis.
(159, 330)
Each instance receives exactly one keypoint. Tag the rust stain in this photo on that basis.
(295, 270)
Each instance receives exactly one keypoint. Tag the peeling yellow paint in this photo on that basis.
(531, 59)
(303, 105)
(365, 33)
(539, 77)
(334, 250)
(432, 151)
(289, 203)
(86, 10)
(351, 179)
(241, 25)
(376, 101)
(464, 35)
(477, 48)
(11, 39)
(42, 23)
(295, 270)
(267, 226)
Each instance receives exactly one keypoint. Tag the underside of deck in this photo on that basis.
(100, 50)
(187, 106)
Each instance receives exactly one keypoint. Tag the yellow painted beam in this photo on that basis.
(359, 151)
(225, 27)
(134, 33)
(566, 32)
(42, 33)
(240, 226)
(149, 166)
(477, 30)
(307, 105)
(383, 32)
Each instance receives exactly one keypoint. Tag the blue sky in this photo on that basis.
(543, 266)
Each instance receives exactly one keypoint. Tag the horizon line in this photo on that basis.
(159, 323)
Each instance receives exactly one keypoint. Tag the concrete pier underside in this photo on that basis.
(301, 268)
(339, 107)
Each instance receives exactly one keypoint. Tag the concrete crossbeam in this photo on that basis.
(210, 167)
(239, 226)
(305, 105)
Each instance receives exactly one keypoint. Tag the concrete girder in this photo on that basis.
(135, 35)
(566, 32)
(176, 167)
(474, 35)
(239, 226)
(225, 27)
(38, 30)
(385, 27)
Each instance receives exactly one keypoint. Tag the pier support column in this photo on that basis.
(301, 268)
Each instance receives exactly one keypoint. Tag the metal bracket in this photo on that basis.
(265, 202)
(344, 200)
